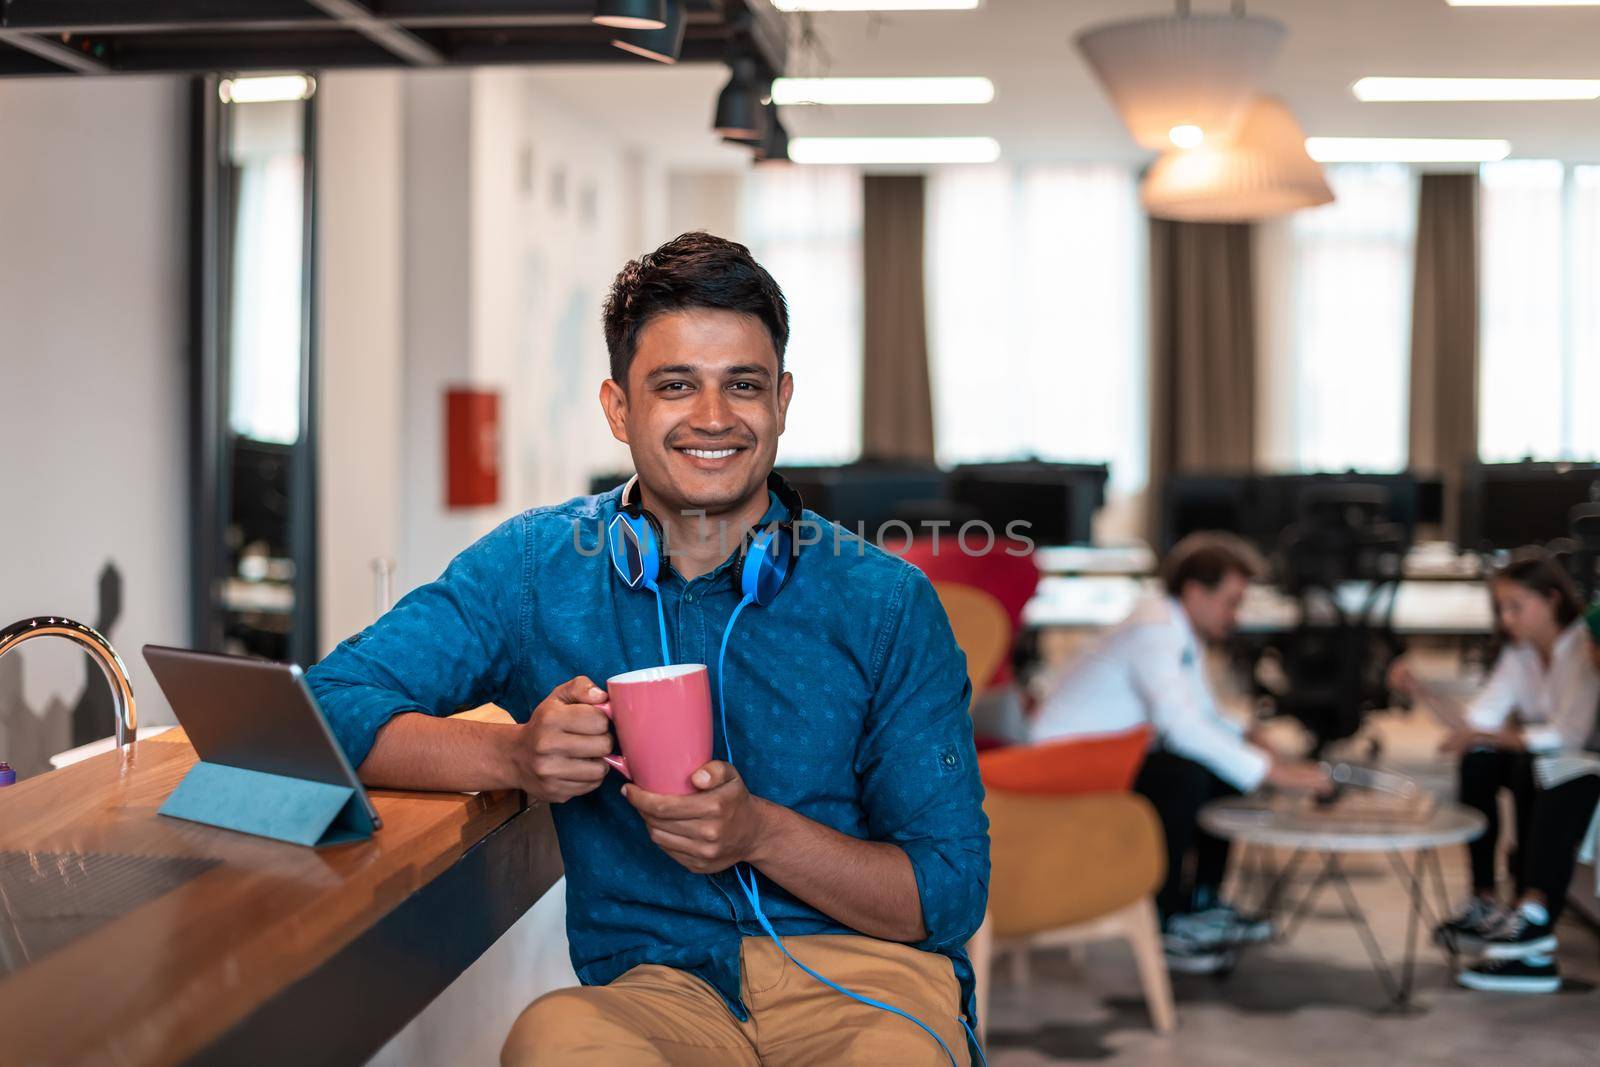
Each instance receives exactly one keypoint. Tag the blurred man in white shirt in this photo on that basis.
(1151, 669)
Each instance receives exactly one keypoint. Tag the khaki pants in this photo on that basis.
(656, 1016)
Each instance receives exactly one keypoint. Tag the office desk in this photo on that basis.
(1124, 560)
(267, 952)
(1422, 608)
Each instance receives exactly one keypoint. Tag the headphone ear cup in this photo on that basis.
(765, 569)
(634, 554)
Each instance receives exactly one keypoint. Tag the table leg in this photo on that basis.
(1399, 990)
(1303, 909)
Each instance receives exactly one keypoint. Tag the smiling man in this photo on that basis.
(856, 803)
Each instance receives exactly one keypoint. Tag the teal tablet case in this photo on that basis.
(269, 805)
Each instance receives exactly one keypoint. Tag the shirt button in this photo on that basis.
(688, 598)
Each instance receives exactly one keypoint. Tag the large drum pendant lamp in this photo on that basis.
(1265, 171)
(1195, 74)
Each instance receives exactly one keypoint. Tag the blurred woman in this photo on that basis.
(1526, 731)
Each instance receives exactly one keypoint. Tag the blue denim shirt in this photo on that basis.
(846, 700)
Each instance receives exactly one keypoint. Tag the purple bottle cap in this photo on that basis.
(7, 775)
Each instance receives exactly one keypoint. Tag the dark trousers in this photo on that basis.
(1560, 818)
(1483, 773)
(1178, 788)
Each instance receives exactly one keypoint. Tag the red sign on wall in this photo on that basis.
(472, 448)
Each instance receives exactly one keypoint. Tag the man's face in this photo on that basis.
(1214, 613)
(703, 408)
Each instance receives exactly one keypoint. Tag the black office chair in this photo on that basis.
(1584, 522)
(1335, 659)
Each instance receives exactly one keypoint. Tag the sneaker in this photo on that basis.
(1190, 931)
(1186, 958)
(1235, 928)
(1471, 923)
(1513, 976)
(1517, 935)
(1193, 947)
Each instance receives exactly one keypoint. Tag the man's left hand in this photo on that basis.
(709, 830)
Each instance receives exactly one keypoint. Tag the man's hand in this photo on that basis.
(707, 831)
(1299, 776)
(558, 751)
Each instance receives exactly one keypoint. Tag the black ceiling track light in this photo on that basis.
(631, 14)
(772, 144)
(662, 45)
(739, 114)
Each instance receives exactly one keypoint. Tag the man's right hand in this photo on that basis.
(1299, 776)
(558, 751)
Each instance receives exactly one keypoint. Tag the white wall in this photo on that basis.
(516, 211)
(93, 383)
(469, 225)
(361, 477)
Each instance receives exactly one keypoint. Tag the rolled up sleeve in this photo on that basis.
(452, 644)
(918, 765)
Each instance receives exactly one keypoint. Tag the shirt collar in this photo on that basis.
(1191, 643)
(775, 512)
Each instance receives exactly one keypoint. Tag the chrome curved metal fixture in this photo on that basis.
(99, 649)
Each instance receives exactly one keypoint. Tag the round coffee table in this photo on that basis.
(1305, 832)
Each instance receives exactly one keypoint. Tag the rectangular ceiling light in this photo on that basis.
(1406, 149)
(875, 5)
(1430, 89)
(792, 91)
(893, 150)
(266, 89)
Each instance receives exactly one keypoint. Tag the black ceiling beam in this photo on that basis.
(105, 36)
(63, 57)
(134, 16)
(14, 61)
(382, 32)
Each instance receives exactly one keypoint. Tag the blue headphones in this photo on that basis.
(638, 546)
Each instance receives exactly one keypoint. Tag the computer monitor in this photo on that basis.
(866, 495)
(1195, 502)
(1505, 506)
(1058, 501)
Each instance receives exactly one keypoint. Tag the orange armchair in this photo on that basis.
(1074, 858)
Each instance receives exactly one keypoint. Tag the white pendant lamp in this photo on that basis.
(1264, 172)
(1183, 72)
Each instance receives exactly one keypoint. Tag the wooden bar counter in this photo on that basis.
(261, 951)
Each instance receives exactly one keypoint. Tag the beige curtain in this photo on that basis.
(1202, 350)
(1444, 331)
(896, 400)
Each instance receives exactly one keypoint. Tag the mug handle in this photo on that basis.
(616, 761)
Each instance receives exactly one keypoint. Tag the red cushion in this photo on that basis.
(1009, 578)
(1098, 763)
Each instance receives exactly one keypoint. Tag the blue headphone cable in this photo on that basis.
(752, 891)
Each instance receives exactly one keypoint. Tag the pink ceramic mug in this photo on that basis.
(663, 721)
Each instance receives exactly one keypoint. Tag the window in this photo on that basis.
(804, 225)
(1336, 287)
(1539, 366)
(1036, 305)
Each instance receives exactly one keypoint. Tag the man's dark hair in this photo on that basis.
(1207, 558)
(693, 270)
